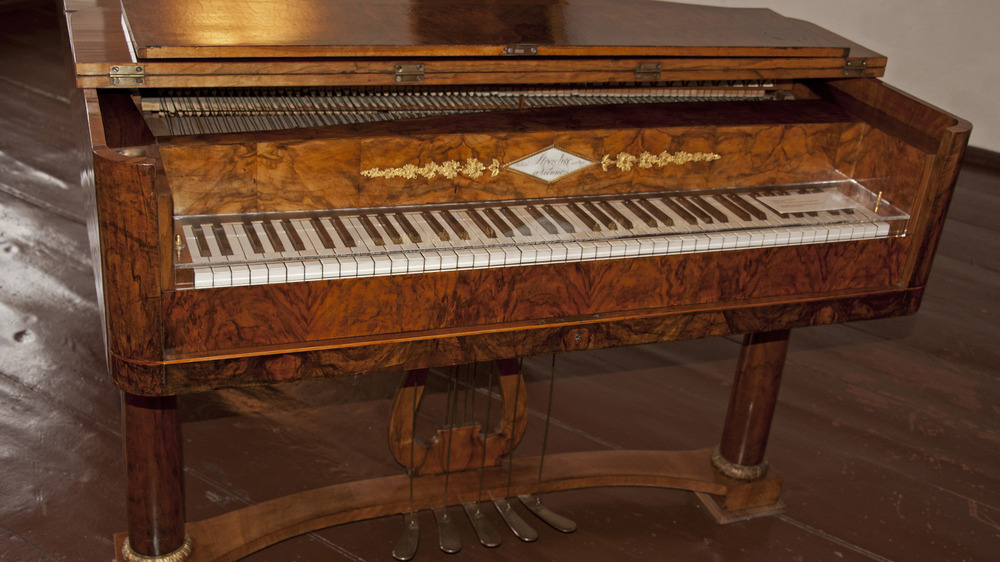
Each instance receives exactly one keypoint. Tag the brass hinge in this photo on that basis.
(855, 67)
(127, 74)
(410, 73)
(520, 50)
(648, 71)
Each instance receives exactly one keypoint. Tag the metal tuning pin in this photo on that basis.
(448, 538)
(488, 535)
(406, 546)
(556, 521)
(518, 526)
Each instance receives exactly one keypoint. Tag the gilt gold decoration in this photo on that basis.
(472, 168)
(178, 555)
(547, 165)
(625, 161)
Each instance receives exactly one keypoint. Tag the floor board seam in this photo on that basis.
(834, 539)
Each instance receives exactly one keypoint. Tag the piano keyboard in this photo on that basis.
(235, 250)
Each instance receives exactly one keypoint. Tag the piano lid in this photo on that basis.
(348, 43)
(265, 29)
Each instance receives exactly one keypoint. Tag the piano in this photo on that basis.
(303, 188)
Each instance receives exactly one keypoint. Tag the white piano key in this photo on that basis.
(258, 273)
(348, 266)
(240, 275)
(558, 252)
(313, 269)
(398, 264)
(276, 273)
(203, 278)
(192, 244)
(330, 268)
(497, 256)
(222, 276)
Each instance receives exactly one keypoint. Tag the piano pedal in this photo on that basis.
(556, 521)
(488, 535)
(406, 546)
(448, 539)
(518, 526)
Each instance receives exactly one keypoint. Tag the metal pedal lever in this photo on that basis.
(556, 521)
(406, 546)
(488, 535)
(448, 538)
(517, 525)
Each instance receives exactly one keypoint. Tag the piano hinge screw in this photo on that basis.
(115, 69)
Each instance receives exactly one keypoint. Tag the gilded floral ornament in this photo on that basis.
(472, 168)
(625, 161)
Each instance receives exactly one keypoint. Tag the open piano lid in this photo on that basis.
(219, 43)
(183, 29)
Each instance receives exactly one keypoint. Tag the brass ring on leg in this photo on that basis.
(178, 555)
(737, 471)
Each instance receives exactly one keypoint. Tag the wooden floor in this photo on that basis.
(887, 433)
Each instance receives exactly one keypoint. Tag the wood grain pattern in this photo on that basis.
(154, 474)
(456, 447)
(754, 396)
(759, 144)
(442, 348)
(231, 319)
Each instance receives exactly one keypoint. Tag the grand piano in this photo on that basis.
(286, 189)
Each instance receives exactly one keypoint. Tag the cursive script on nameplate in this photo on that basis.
(550, 164)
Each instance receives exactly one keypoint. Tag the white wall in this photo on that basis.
(944, 52)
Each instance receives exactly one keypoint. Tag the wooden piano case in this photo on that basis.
(166, 339)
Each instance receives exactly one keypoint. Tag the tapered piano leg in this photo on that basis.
(751, 405)
(740, 455)
(155, 479)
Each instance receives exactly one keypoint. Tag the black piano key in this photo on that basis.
(201, 241)
(652, 209)
(436, 226)
(559, 219)
(499, 223)
(642, 215)
(515, 221)
(255, 242)
(408, 228)
(373, 234)
(587, 220)
(733, 208)
(694, 209)
(389, 228)
(748, 207)
(293, 236)
(272, 237)
(481, 223)
(324, 236)
(222, 239)
(688, 217)
(345, 235)
(454, 224)
(542, 220)
(616, 215)
(598, 214)
(709, 208)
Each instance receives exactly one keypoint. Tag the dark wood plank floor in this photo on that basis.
(887, 432)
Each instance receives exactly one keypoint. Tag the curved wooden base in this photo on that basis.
(244, 531)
